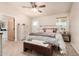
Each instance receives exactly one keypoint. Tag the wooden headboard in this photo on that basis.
(48, 28)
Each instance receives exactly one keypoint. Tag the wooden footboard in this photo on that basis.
(37, 48)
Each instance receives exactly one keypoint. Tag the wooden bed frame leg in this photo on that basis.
(59, 48)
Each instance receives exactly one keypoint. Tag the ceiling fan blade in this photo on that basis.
(40, 11)
(33, 4)
(41, 6)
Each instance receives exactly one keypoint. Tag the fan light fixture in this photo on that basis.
(34, 10)
(35, 7)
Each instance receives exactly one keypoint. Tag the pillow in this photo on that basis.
(49, 31)
(41, 31)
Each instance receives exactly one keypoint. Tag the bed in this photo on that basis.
(49, 36)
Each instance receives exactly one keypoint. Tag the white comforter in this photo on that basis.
(58, 41)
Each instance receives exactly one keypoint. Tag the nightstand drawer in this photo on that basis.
(66, 37)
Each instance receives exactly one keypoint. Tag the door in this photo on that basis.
(11, 28)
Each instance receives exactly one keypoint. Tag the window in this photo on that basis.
(61, 22)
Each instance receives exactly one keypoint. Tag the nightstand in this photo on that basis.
(66, 37)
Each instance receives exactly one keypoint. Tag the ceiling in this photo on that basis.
(51, 8)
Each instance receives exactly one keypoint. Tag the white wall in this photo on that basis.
(22, 19)
(74, 26)
(9, 10)
(46, 20)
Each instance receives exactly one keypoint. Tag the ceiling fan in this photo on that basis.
(34, 6)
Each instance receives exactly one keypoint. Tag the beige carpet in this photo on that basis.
(11, 48)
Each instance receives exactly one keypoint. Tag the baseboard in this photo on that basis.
(76, 49)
